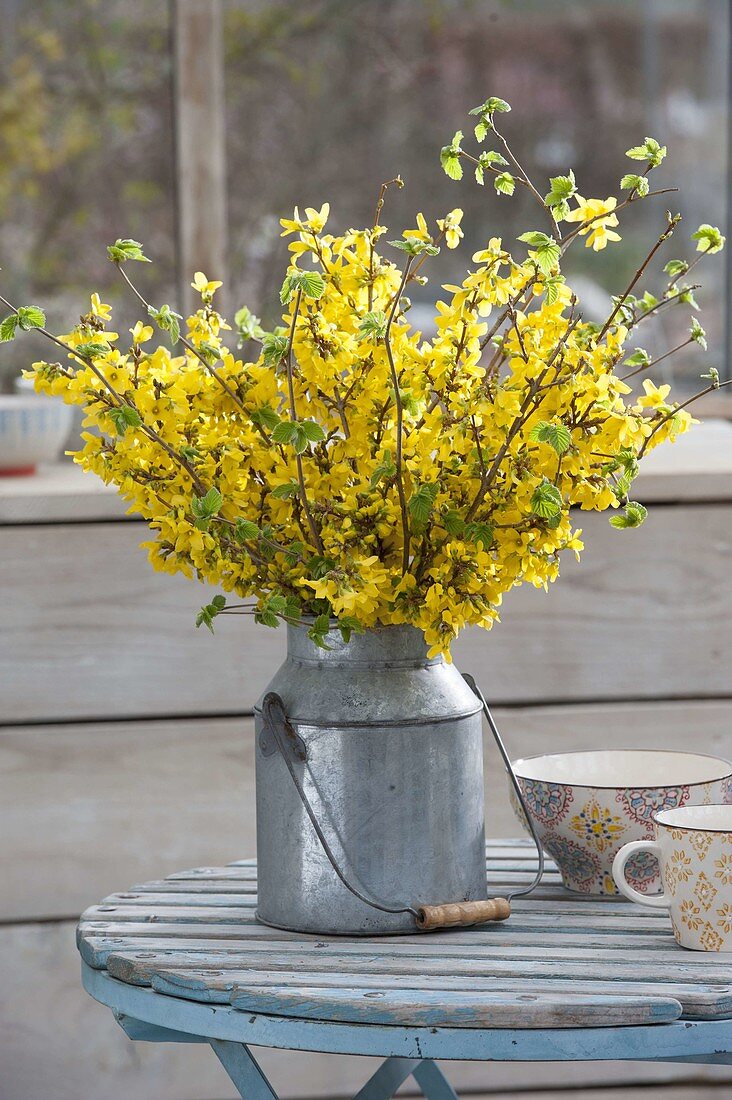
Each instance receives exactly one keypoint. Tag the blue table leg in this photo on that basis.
(242, 1068)
(389, 1076)
(433, 1082)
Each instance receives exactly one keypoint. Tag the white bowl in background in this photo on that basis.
(33, 429)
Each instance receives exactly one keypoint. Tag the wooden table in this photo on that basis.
(565, 978)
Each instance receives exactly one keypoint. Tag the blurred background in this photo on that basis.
(322, 101)
(193, 126)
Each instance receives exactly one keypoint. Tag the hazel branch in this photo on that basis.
(668, 231)
(293, 414)
(399, 420)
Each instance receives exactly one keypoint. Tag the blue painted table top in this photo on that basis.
(183, 958)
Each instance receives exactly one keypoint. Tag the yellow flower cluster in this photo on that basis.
(304, 477)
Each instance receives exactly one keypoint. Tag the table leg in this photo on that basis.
(389, 1076)
(432, 1081)
(242, 1068)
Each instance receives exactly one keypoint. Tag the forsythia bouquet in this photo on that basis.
(346, 467)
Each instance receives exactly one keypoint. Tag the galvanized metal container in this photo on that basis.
(393, 773)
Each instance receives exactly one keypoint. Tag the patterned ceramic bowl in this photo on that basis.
(587, 805)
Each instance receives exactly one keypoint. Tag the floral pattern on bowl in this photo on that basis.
(583, 823)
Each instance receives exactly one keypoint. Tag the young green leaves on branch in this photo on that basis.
(206, 508)
(450, 157)
(124, 417)
(708, 239)
(127, 249)
(650, 151)
(309, 283)
(544, 250)
(633, 516)
(25, 319)
(167, 320)
(486, 112)
(561, 190)
(557, 436)
(300, 433)
(209, 611)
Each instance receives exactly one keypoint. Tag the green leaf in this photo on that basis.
(266, 617)
(698, 335)
(247, 326)
(190, 453)
(319, 567)
(674, 268)
(166, 319)
(274, 347)
(650, 150)
(348, 625)
(480, 130)
(534, 238)
(319, 629)
(310, 283)
(505, 184)
(561, 189)
(546, 252)
(415, 247)
(633, 516)
(551, 288)
(421, 503)
(708, 238)
(713, 375)
(124, 417)
(489, 108)
(557, 436)
(219, 602)
(293, 553)
(30, 317)
(454, 524)
(91, 349)
(312, 431)
(266, 417)
(450, 157)
(386, 468)
(479, 533)
(686, 297)
(8, 327)
(633, 182)
(284, 432)
(486, 161)
(546, 500)
(373, 326)
(126, 249)
(286, 491)
(639, 358)
(205, 618)
(205, 507)
(246, 530)
(300, 442)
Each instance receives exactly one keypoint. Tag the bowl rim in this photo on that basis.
(515, 765)
(655, 818)
(18, 401)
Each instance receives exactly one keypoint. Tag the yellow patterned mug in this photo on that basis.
(694, 848)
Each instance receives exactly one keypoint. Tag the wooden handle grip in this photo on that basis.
(462, 914)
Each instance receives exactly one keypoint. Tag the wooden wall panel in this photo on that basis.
(89, 809)
(88, 630)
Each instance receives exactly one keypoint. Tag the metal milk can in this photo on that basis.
(369, 770)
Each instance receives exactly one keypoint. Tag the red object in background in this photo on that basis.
(17, 471)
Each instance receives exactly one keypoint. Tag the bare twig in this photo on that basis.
(399, 420)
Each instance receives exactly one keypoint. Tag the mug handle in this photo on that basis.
(655, 901)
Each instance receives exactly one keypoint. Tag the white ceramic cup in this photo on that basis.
(693, 845)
